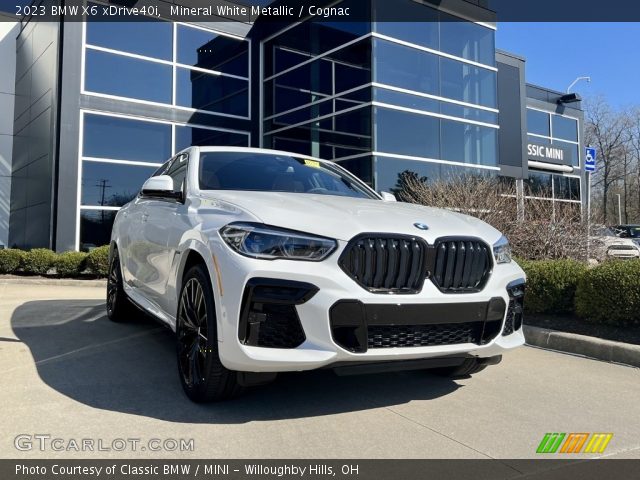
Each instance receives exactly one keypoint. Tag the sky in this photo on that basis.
(557, 53)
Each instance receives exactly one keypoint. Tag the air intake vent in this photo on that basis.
(386, 264)
(461, 265)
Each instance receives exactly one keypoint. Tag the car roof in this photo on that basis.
(204, 149)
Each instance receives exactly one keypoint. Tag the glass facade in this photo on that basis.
(191, 67)
(176, 66)
(553, 129)
(403, 92)
(548, 128)
(112, 172)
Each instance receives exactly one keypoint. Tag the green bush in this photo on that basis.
(70, 264)
(10, 260)
(38, 261)
(610, 293)
(551, 285)
(98, 261)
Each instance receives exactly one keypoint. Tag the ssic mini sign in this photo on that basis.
(548, 153)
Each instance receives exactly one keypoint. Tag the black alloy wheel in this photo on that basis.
(203, 377)
(118, 304)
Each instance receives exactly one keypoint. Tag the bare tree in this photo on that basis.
(608, 131)
(549, 230)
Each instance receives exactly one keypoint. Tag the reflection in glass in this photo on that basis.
(137, 140)
(151, 38)
(407, 133)
(564, 128)
(538, 185)
(111, 184)
(127, 77)
(189, 136)
(538, 122)
(467, 83)
(214, 93)
(467, 143)
(467, 40)
(212, 51)
(95, 228)
(406, 67)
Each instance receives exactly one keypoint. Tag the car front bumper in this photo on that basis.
(322, 347)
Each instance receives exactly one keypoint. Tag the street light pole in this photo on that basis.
(619, 210)
(588, 79)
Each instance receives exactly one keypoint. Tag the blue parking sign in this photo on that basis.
(590, 159)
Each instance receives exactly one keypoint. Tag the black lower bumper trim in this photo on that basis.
(363, 368)
(356, 326)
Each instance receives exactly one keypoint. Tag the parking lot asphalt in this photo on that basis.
(70, 373)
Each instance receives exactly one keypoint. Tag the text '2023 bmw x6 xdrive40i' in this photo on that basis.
(265, 261)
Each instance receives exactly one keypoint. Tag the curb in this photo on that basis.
(54, 282)
(597, 348)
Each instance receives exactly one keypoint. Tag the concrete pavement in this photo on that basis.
(69, 372)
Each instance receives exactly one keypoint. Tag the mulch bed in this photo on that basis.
(570, 324)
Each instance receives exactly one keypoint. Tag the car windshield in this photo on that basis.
(267, 172)
(634, 232)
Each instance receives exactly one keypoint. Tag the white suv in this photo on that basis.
(264, 261)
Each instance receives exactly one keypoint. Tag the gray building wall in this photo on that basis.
(512, 136)
(8, 33)
(32, 189)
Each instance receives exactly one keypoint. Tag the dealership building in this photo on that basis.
(99, 106)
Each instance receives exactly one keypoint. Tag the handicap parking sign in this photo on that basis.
(590, 159)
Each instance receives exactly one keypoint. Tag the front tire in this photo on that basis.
(202, 375)
(119, 307)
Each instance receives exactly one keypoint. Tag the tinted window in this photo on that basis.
(407, 133)
(467, 83)
(126, 139)
(566, 188)
(390, 172)
(564, 128)
(463, 142)
(424, 31)
(572, 148)
(467, 40)
(538, 185)
(95, 228)
(127, 77)
(110, 184)
(211, 51)
(274, 173)
(538, 122)
(190, 136)
(151, 38)
(215, 93)
(406, 67)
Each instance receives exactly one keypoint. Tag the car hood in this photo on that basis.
(344, 217)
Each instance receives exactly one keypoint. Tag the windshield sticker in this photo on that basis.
(311, 163)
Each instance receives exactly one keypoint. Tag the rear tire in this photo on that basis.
(119, 307)
(202, 375)
(469, 367)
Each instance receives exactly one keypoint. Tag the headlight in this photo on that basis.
(262, 241)
(502, 250)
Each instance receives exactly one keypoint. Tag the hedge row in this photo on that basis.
(41, 261)
(608, 293)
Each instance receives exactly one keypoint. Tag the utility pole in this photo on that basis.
(102, 184)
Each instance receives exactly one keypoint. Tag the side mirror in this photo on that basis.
(388, 197)
(160, 186)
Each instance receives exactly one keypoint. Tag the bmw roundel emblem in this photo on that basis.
(421, 226)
